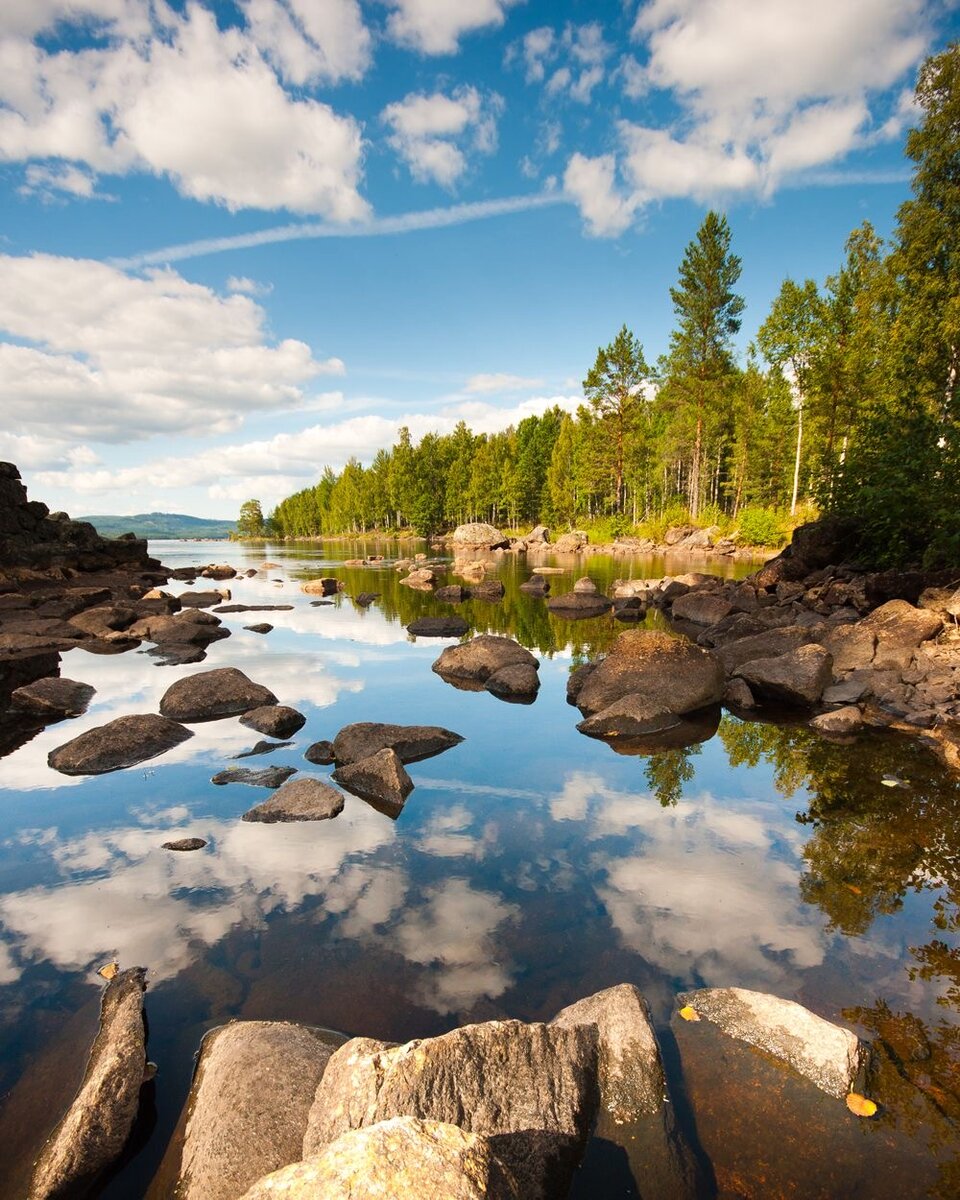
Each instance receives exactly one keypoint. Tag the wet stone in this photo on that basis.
(322, 753)
(381, 780)
(121, 743)
(184, 844)
(268, 777)
(438, 627)
(53, 698)
(260, 627)
(212, 695)
(303, 799)
(275, 720)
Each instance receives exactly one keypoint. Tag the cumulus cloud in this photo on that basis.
(766, 89)
(432, 134)
(105, 356)
(60, 181)
(199, 105)
(436, 26)
(500, 382)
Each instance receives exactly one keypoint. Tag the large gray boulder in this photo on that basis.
(53, 698)
(797, 678)
(304, 799)
(123, 742)
(571, 543)
(247, 1110)
(852, 647)
(531, 1089)
(411, 742)
(400, 1159)
(477, 536)
(475, 661)
(899, 629)
(830, 1056)
(211, 695)
(381, 780)
(670, 672)
(95, 1128)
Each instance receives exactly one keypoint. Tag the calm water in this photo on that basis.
(531, 866)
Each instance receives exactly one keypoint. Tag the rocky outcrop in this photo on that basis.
(247, 1110)
(303, 799)
(380, 779)
(475, 661)
(411, 742)
(212, 695)
(53, 698)
(121, 743)
(830, 1056)
(530, 1089)
(275, 720)
(669, 672)
(400, 1159)
(95, 1128)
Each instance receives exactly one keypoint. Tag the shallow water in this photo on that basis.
(530, 866)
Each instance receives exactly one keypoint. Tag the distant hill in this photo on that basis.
(162, 525)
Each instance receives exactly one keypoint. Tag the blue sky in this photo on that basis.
(240, 240)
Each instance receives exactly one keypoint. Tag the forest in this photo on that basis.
(846, 403)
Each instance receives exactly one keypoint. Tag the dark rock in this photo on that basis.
(454, 594)
(840, 723)
(190, 843)
(438, 627)
(123, 742)
(365, 599)
(321, 753)
(92, 1134)
(797, 677)
(380, 779)
(577, 678)
(202, 599)
(518, 682)
(104, 619)
(275, 720)
(235, 608)
(531, 1089)
(737, 694)
(536, 585)
(630, 716)
(260, 627)
(218, 571)
(702, 608)
(248, 1106)
(762, 645)
(268, 777)
(212, 695)
(184, 574)
(851, 646)
(263, 748)
(669, 672)
(326, 586)
(177, 654)
(53, 698)
(629, 608)
(303, 799)
(899, 629)
(411, 742)
(487, 589)
(481, 657)
(573, 606)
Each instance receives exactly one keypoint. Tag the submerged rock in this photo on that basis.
(839, 723)
(121, 743)
(411, 742)
(438, 627)
(212, 695)
(381, 780)
(92, 1134)
(576, 605)
(303, 799)
(53, 698)
(263, 747)
(400, 1159)
(422, 578)
(275, 720)
(828, 1055)
(268, 777)
(260, 627)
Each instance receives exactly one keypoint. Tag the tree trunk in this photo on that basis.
(796, 464)
(695, 470)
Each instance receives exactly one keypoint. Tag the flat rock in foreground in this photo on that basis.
(670, 672)
(475, 661)
(401, 1159)
(303, 799)
(531, 1089)
(123, 742)
(211, 695)
(630, 716)
(53, 698)
(828, 1055)
(411, 742)
(248, 1105)
(381, 780)
(95, 1128)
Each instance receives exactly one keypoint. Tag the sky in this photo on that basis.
(243, 239)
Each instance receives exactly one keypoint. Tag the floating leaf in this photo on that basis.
(689, 1013)
(893, 781)
(853, 888)
(109, 970)
(860, 1106)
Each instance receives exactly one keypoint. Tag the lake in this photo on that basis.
(531, 866)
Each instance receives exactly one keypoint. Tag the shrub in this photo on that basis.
(763, 527)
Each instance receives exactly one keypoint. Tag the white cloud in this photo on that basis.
(499, 382)
(591, 184)
(247, 286)
(104, 356)
(26, 18)
(310, 42)
(63, 179)
(432, 134)
(436, 26)
(539, 47)
(191, 102)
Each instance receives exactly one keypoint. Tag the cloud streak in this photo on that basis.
(411, 222)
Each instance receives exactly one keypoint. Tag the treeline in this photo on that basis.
(847, 398)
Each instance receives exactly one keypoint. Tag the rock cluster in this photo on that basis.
(491, 663)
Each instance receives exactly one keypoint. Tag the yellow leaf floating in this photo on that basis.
(689, 1013)
(860, 1106)
(108, 971)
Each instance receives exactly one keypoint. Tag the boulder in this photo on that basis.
(184, 844)
(120, 743)
(518, 682)
(899, 629)
(411, 742)
(260, 627)
(669, 672)
(95, 1128)
(539, 533)
(573, 606)
(481, 657)
(400, 1159)
(531, 1089)
(104, 620)
(585, 586)
(762, 645)
(702, 608)
(275, 720)
(737, 694)
(365, 599)
(828, 1055)
(452, 594)
(536, 585)
(851, 646)
(248, 1106)
(438, 626)
(577, 678)
(381, 780)
(212, 695)
(841, 722)
(303, 799)
(631, 716)
(201, 599)
(52, 698)
(797, 678)
(629, 608)
(321, 753)
(422, 578)
(571, 543)
(477, 536)
(267, 777)
(328, 585)
(219, 571)
(487, 589)
(193, 627)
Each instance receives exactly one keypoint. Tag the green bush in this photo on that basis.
(762, 527)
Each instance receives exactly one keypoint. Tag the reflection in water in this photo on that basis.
(530, 866)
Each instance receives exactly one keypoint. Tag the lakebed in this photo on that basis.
(531, 866)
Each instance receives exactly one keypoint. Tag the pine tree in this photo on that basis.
(614, 387)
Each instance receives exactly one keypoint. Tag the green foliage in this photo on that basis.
(250, 523)
(614, 387)
(762, 527)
